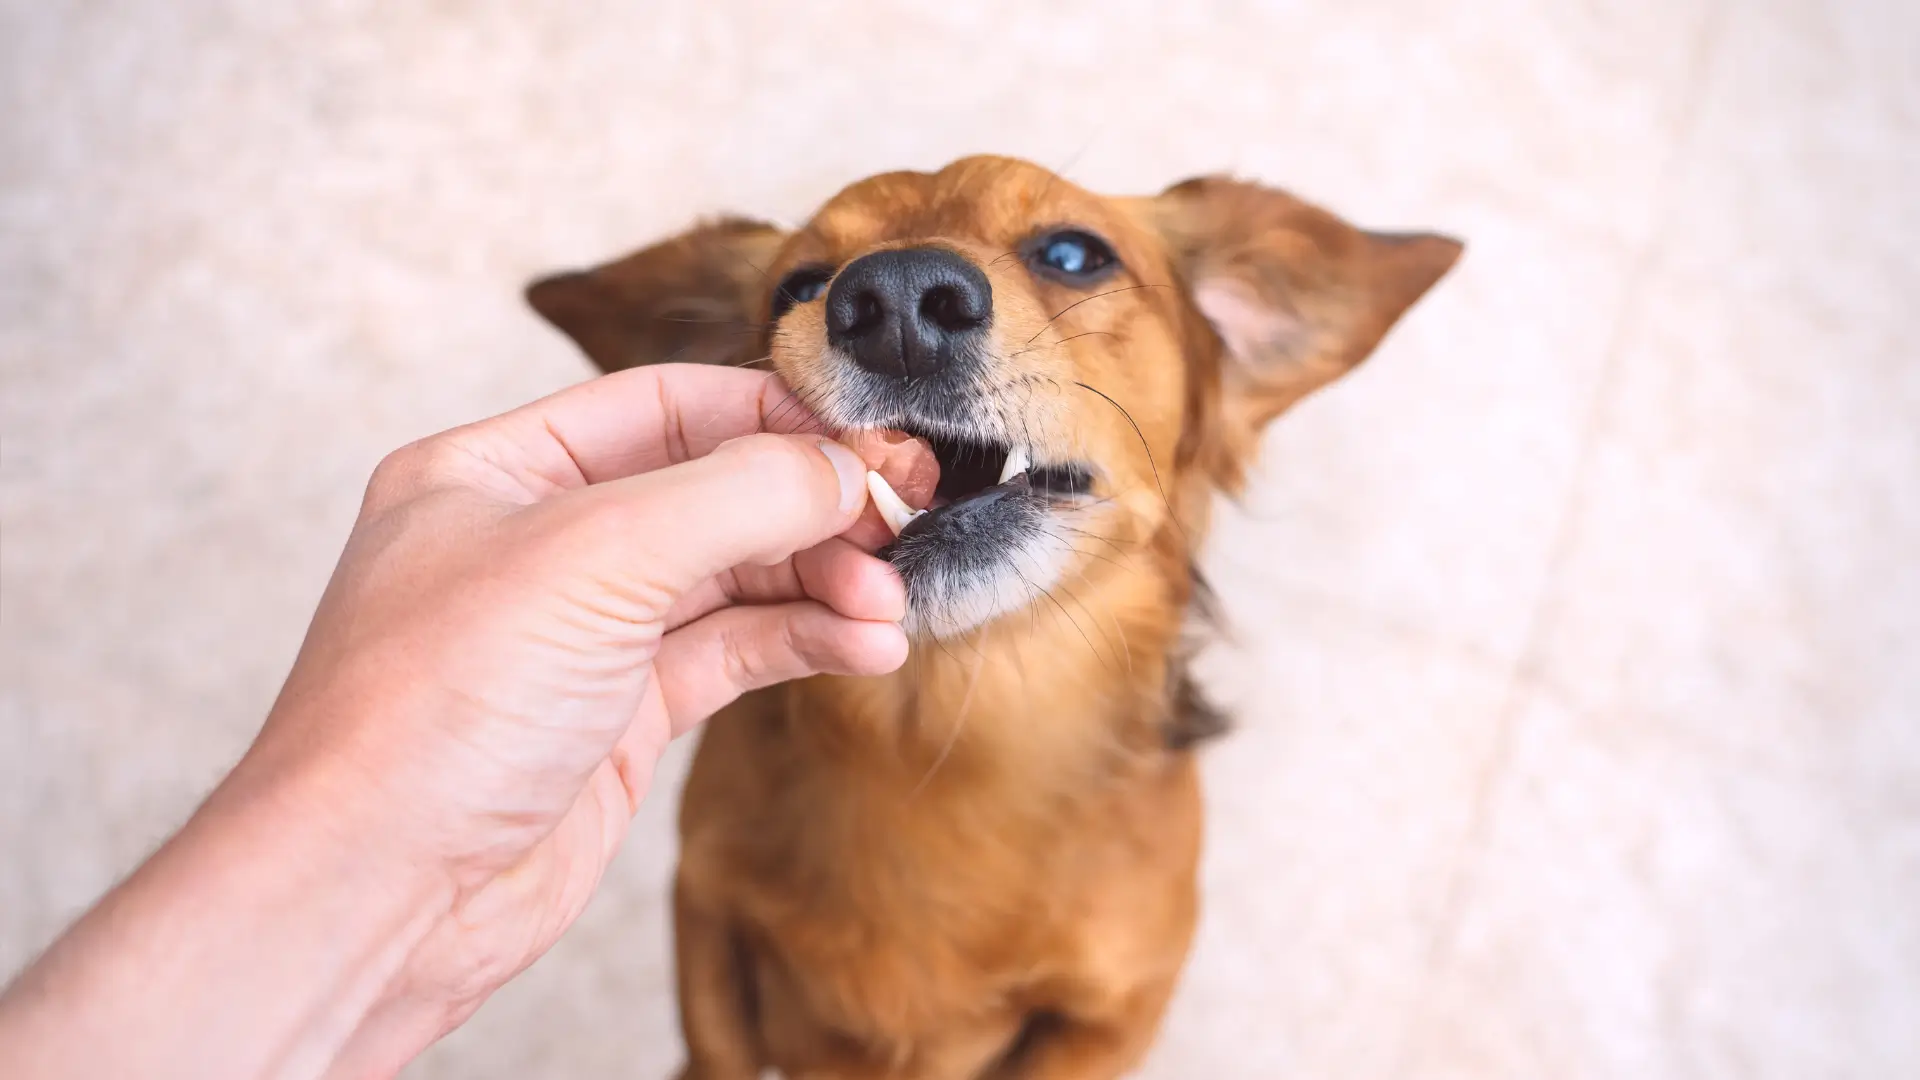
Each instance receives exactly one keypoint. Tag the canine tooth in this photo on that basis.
(1018, 461)
(892, 507)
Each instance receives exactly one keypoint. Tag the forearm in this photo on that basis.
(253, 944)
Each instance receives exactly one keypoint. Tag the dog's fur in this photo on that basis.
(984, 864)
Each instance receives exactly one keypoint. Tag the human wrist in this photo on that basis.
(326, 792)
(327, 890)
(258, 921)
(361, 839)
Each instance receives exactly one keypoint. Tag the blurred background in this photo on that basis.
(1577, 652)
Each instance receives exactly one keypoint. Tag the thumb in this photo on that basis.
(756, 499)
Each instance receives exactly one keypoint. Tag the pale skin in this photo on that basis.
(528, 610)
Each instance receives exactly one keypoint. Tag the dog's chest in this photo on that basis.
(878, 915)
(924, 925)
(906, 949)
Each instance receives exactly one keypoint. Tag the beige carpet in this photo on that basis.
(1579, 635)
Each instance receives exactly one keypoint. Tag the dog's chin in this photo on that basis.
(975, 560)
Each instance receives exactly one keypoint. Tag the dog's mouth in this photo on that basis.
(969, 469)
(982, 470)
(988, 541)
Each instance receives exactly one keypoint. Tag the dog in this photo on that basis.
(984, 865)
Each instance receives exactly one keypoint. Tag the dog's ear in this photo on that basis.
(1296, 296)
(693, 299)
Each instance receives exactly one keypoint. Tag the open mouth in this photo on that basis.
(990, 539)
(979, 472)
(968, 469)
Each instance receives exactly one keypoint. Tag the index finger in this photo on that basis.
(647, 418)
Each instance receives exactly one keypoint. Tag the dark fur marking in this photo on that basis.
(1191, 718)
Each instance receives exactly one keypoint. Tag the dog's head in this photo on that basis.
(1087, 369)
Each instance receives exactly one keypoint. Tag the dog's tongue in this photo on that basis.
(908, 466)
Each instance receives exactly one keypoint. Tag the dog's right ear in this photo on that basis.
(1294, 296)
(697, 298)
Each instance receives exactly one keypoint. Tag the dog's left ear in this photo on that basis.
(1296, 296)
(694, 298)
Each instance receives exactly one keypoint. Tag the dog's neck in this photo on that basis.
(1082, 684)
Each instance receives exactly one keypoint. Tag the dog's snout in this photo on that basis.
(905, 312)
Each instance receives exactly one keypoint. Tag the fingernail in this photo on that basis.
(852, 472)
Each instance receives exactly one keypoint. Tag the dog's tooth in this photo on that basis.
(1018, 461)
(893, 509)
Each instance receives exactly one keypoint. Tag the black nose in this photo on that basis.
(905, 312)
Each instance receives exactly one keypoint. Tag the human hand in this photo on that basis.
(529, 608)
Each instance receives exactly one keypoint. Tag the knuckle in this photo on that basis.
(399, 474)
(411, 471)
(759, 655)
(743, 660)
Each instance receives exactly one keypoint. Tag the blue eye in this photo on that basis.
(1071, 255)
(803, 286)
(1067, 256)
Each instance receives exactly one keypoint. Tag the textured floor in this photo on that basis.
(1579, 635)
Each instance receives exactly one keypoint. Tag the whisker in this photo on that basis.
(744, 324)
(744, 261)
(1118, 550)
(793, 406)
(1054, 176)
(675, 355)
(959, 720)
(1119, 631)
(1082, 604)
(940, 641)
(1062, 341)
(1075, 623)
(1088, 299)
(780, 410)
(1056, 603)
(1108, 559)
(1151, 463)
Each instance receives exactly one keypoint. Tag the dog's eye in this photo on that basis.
(1071, 255)
(802, 286)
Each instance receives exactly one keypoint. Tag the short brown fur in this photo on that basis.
(984, 865)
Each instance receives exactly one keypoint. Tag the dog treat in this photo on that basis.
(893, 509)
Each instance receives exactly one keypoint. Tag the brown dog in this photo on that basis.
(984, 865)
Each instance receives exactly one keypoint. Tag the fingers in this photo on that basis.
(834, 572)
(643, 419)
(634, 421)
(755, 500)
(708, 663)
